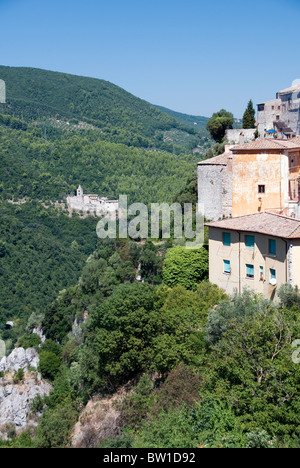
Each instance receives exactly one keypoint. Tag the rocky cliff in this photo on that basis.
(16, 397)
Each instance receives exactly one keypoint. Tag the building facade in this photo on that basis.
(280, 116)
(215, 186)
(92, 203)
(259, 252)
(256, 177)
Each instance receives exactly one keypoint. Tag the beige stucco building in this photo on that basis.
(260, 252)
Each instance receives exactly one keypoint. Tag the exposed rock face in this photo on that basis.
(99, 421)
(19, 359)
(39, 332)
(16, 398)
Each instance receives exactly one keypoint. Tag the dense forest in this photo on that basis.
(51, 99)
(198, 368)
(195, 367)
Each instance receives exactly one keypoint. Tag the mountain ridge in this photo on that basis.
(37, 95)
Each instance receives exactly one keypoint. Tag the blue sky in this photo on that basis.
(193, 56)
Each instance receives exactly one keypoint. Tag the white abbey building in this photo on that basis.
(92, 203)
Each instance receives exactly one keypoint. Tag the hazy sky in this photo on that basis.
(193, 56)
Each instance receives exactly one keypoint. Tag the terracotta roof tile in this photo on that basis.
(269, 144)
(264, 223)
(220, 160)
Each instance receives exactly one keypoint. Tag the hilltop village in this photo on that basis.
(251, 195)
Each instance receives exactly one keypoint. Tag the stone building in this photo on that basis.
(215, 186)
(259, 176)
(280, 116)
(240, 136)
(259, 251)
(92, 203)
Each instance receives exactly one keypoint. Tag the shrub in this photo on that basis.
(185, 267)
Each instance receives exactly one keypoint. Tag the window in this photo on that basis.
(250, 242)
(250, 271)
(261, 189)
(227, 268)
(261, 274)
(227, 239)
(272, 246)
(273, 274)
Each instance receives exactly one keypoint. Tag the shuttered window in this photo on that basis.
(250, 242)
(272, 246)
(250, 271)
(227, 268)
(227, 239)
(273, 274)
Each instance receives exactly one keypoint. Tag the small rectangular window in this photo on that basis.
(250, 242)
(272, 247)
(250, 271)
(227, 239)
(227, 268)
(273, 277)
(273, 274)
(261, 273)
(261, 189)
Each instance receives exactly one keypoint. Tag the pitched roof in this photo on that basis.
(269, 144)
(220, 160)
(271, 224)
(290, 90)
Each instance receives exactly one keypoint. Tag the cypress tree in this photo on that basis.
(249, 116)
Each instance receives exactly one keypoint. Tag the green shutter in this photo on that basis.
(250, 242)
(227, 268)
(272, 246)
(250, 271)
(227, 239)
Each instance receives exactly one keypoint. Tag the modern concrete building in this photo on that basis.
(259, 251)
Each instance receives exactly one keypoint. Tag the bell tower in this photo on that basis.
(80, 192)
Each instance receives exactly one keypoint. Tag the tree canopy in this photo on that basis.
(219, 123)
(249, 116)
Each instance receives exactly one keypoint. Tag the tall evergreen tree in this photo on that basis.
(249, 116)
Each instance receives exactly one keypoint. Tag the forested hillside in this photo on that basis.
(194, 367)
(43, 249)
(197, 121)
(50, 170)
(51, 98)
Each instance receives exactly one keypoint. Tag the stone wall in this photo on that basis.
(78, 204)
(210, 190)
(240, 136)
(227, 181)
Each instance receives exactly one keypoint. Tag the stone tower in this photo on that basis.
(80, 192)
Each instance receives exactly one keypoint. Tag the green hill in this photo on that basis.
(43, 96)
(97, 135)
(197, 122)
